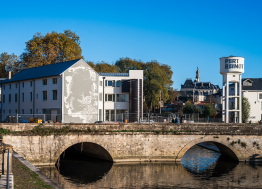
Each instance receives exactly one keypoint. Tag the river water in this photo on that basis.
(199, 168)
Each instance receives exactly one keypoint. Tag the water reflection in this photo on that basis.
(199, 168)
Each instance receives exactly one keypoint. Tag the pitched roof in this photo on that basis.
(41, 71)
(256, 84)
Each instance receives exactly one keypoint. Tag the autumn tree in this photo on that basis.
(172, 95)
(125, 64)
(8, 62)
(157, 77)
(52, 48)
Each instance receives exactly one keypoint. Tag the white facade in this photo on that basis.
(231, 68)
(114, 104)
(252, 90)
(76, 94)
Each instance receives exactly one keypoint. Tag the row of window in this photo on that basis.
(44, 96)
(112, 83)
(111, 97)
(23, 111)
(44, 82)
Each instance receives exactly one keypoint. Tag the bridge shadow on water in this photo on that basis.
(78, 165)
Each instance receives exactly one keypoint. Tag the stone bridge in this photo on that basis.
(135, 142)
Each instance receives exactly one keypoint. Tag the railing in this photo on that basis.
(6, 160)
(145, 118)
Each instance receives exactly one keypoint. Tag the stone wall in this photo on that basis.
(127, 146)
(200, 128)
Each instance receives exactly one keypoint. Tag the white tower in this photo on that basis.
(232, 68)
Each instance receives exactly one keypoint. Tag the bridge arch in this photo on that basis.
(224, 147)
(86, 147)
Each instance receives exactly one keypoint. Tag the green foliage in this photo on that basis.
(4, 131)
(215, 136)
(8, 62)
(245, 109)
(228, 138)
(188, 109)
(209, 110)
(243, 144)
(198, 110)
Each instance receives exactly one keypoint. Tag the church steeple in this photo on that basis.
(197, 79)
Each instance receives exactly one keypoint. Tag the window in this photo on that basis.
(100, 96)
(31, 83)
(23, 97)
(110, 97)
(30, 111)
(15, 111)
(9, 112)
(122, 97)
(36, 96)
(31, 96)
(3, 98)
(9, 98)
(23, 84)
(44, 81)
(54, 94)
(54, 80)
(15, 97)
(232, 89)
(44, 95)
(260, 95)
(4, 87)
(4, 112)
(110, 83)
(43, 111)
(16, 85)
(118, 83)
(9, 86)
(23, 111)
(101, 83)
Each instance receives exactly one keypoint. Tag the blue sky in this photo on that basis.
(183, 34)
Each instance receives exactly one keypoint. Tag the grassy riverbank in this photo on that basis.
(24, 178)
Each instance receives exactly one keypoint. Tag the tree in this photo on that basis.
(105, 68)
(125, 64)
(188, 109)
(157, 77)
(172, 95)
(8, 62)
(52, 48)
(245, 109)
(197, 110)
(209, 110)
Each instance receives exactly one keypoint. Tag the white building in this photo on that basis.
(73, 92)
(252, 90)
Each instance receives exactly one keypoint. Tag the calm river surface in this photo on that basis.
(199, 168)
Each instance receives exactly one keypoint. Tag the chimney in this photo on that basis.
(209, 84)
(195, 84)
(9, 74)
(202, 84)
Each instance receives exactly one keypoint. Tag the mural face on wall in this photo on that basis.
(80, 94)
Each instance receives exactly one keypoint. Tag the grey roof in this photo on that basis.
(41, 71)
(256, 84)
(114, 74)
